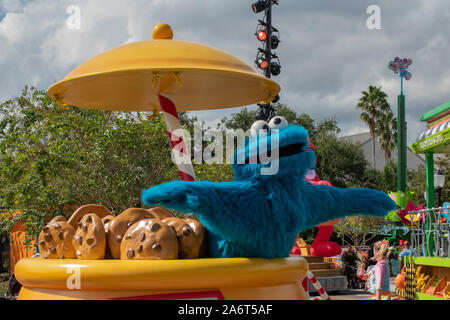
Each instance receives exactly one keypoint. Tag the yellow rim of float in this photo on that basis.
(113, 275)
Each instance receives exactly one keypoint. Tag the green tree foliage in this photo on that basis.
(387, 133)
(374, 106)
(340, 162)
(240, 120)
(443, 163)
(358, 230)
(51, 158)
(245, 118)
(384, 180)
(417, 180)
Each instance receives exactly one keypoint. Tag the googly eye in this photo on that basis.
(259, 125)
(278, 123)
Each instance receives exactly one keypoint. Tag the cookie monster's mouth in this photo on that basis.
(285, 151)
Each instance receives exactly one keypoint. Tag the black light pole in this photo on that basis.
(438, 190)
(265, 56)
(439, 180)
(267, 72)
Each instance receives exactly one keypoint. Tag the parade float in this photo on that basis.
(248, 225)
(427, 271)
(153, 76)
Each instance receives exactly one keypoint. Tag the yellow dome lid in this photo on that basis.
(196, 76)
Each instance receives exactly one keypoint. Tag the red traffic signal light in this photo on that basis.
(262, 63)
(261, 35)
(259, 6)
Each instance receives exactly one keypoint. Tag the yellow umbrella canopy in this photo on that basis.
(195, 76)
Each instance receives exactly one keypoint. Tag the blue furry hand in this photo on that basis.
(362, 201)
(371, 202)
(178, 195)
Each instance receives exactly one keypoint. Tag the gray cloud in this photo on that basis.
(328, 54)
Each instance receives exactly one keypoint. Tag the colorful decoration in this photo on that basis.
(400, 66)
(182, 156)
(402, 198)
(135, 234)
(405, 216)
(55, 240)
(400, 281)
(316, 284)
(422, 278)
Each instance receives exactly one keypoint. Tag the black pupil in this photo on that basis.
(265, 127)
(277, 120)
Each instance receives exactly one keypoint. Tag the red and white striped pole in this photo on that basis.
(179, 147)
(318, 287)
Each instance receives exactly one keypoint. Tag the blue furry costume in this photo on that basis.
(259, 215)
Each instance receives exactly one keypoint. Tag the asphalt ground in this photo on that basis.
(354, 294)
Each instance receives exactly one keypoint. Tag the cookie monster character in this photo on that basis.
(260, 212)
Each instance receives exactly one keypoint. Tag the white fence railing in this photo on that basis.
(430, 232)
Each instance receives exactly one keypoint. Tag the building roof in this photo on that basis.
(365, 140)
(436, 112)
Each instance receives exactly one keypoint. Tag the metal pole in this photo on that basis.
(401, 144)
(429, 243)
(401, 85)
(267, 72)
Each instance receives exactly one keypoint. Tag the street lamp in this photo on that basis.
(400, 66)
(439, 180)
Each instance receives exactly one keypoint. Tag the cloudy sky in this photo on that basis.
(328, 53)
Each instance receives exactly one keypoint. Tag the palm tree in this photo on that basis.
(387, 133)
(374, 105)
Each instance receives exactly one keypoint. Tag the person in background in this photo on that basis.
(361, 273)
(379, 275)
(405, 252)
(394, 264)
(390, 257)
(4, 248)
(349, 260)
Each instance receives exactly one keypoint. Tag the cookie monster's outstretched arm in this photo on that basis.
(218, 205)
(327, 203)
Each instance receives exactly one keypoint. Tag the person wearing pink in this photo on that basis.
(379, 275)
